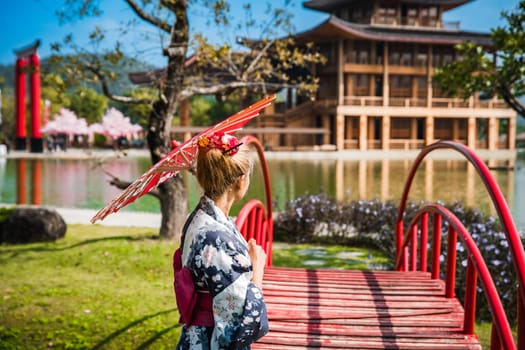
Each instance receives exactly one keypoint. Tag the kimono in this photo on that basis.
(217, 256)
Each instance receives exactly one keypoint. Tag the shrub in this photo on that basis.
(319, 219)
(4, 213)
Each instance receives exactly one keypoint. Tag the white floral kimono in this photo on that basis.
(217, 256)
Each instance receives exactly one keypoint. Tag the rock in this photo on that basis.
(25, 225)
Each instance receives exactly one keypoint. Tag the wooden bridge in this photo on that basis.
(409, 308)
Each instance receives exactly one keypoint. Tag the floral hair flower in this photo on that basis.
(226, 143)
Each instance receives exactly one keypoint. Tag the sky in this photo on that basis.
(24, 21)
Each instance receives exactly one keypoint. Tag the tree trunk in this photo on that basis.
(173, 207)
(172, 193)
(173, 201)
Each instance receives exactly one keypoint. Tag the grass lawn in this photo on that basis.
(111, 288)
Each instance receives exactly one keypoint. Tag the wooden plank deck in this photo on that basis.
(345, 309)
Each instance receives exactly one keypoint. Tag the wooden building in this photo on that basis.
(376, 89)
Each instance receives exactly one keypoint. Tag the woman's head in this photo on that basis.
(221, 165)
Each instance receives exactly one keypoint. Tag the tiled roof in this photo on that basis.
(331, 5)
(338, 28)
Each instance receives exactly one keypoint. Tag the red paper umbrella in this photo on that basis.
(180, 158)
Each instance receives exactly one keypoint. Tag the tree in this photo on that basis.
(54, 90)
(216, 70)
(499, 69)
(88, 104)
(139, 113)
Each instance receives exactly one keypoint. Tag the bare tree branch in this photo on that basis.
(258, 58)
(149, 18)
(105, 89)
(216, 88)
(511, 99)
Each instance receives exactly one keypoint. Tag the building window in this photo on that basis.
(357, 15)
(412, 17)
(429, 16)
(400, 86)
(421, 87)
(401, 55)
(442, 56)
(386, 15)
(361, 84)
(360, 53)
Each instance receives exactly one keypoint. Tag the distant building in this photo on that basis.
(376, 90)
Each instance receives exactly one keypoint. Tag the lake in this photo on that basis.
(84, 183)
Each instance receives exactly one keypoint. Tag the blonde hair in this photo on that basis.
(216, 171)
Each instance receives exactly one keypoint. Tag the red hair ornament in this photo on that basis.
(226, 143)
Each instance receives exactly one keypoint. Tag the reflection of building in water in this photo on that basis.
(443, 180)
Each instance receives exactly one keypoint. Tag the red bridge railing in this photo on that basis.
(407, 251)
(255, 220)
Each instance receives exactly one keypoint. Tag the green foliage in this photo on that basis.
(54, 89)
(88, 104)
(201, 107)
(497, 70)
(139, 113)
(7, 128)
(4, 213)
(206, 110)
(319, 219)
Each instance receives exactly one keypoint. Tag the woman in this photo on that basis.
(227, 309)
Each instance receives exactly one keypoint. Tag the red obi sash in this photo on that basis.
(195, 306)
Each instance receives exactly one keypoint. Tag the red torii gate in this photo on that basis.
(27, 61)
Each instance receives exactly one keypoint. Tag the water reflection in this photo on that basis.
(82, 184)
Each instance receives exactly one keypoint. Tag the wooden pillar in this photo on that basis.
(414, 88)
(372, 85)
(385, 133)
(340, 73)
(386, 84)
(363, 132)
(340, 131)
(429, 76)
(492, 133)
(326, 126)
(349, 86)
(511, 133)
(349, 128)
(429, 130)
(371, 131)
(471, 132)
(455, 129)
(413, 128)
(184, 115)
